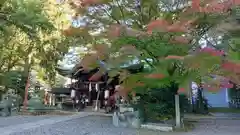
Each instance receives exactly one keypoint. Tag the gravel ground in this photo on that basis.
(15, 120)
(100, 125)
(91, 125)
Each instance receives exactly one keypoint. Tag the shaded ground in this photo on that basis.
(219, 126)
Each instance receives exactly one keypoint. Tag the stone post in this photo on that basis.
(50, 99)
(177, 109)
(54, 100)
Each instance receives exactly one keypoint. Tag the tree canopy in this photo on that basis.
(164, 35)
(31, 39)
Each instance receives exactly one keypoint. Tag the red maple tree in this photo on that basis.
(183, 25)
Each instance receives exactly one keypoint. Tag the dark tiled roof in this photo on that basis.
(60, 91)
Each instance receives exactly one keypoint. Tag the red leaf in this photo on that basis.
(212, 51)
(67, 32)
(181, 26)
(177, 28)
(157, 25)
(180, 39)
(211, 87)
(140, 84)
(217, 7)
(123, 91)
(226, 85)
(196, 5)
(231, 66)
(155, 76)
(115, 30)
(181, 91)
(235, 2)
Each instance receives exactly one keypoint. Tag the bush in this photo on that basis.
(159, 104)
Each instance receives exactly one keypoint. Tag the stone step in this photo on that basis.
(158, 126)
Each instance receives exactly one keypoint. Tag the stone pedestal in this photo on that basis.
(59, 106)
(35, 105)
(126, 117)
(5, 108)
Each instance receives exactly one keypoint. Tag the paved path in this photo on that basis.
(99, 125)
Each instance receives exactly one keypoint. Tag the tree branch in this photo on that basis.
(121, 10)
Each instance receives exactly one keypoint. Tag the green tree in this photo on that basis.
(31, 37)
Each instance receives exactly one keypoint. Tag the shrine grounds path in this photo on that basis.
(82, 124)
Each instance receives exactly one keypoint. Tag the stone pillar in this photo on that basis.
(46, 98)
(54, 100)
(50, 99)
(177, 109)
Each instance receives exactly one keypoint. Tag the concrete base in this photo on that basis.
(158, 126)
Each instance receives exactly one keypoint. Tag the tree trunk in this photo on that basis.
(26, 71)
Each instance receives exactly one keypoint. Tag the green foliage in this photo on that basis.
(158, 103)
(26, 15)
(31, 37)
(14, 80)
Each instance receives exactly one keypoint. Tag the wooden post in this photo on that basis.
(177, 109)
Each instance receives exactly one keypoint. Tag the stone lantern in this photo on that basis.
(5, 107)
